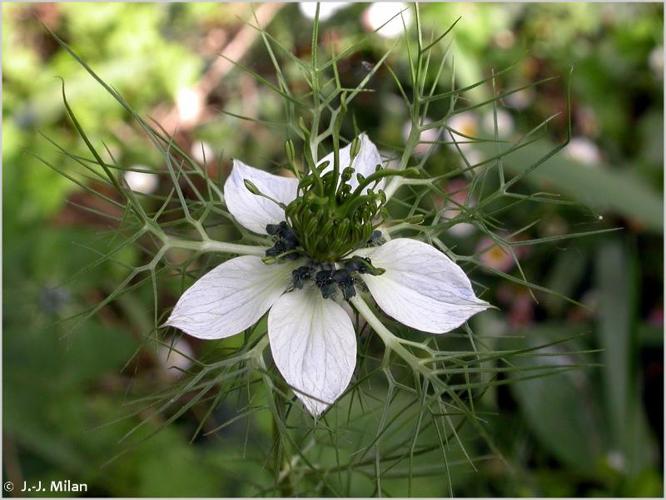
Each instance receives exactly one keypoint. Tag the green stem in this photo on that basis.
(211, 246)
(393, 185)
(277, 450)
(390, 341)
(409, 172)
(281, 465)
(253, 356)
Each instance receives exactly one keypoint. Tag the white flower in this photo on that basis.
(389, 19)
(176, 358)
(463, 133)
(458, 196)
(312, 338)
(190, 105)
(202, 152)
(656, 62)
(464, 129)
(427, 137)
(141, 180)
(326, 9)
(505, 124)
(584, 151)
(521, 99)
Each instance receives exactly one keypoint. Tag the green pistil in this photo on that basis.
(329, 219)
(328, 233)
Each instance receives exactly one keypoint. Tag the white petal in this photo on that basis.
(230, 298)
(366, 160)
(422, 288)
(314, 347)
(252, 211)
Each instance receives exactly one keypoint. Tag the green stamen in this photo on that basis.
(252, 188)
(330, 219)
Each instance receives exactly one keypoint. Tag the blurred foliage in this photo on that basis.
(597, 431)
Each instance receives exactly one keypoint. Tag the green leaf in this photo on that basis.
(602, 188)
(616, 281)
(562, 410)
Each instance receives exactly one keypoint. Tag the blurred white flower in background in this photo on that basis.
(474, 156)
(326, 9)
(656, 61)
(493, 256)
(387, 14)
(584, 151)
(587, 122)
(505, 39)
(426, 137)
(141, 181)
(175, 358)
(505, 125)
(202, 152)
(458, 197)
(616, 460)
(520, 99)
(463, 124)
(189, 105)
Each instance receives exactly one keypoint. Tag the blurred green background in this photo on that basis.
(596, 431)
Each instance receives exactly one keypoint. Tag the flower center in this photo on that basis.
(331, 219)
(327, 276)
(331, 216)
